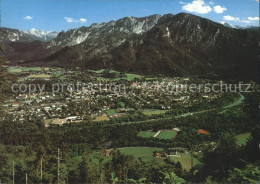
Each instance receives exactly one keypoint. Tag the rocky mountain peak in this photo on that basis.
(41, 35)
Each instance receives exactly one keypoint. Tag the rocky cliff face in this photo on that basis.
(101, 38)
(40, 35)
(185, 44)
(14, 35)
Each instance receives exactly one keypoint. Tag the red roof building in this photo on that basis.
(201, 131)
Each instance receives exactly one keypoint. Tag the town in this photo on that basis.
(96, 100)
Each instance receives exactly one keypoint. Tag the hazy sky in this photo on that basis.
(65, 14)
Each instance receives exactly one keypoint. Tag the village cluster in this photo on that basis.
(65, 106)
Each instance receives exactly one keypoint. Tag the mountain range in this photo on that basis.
(14, 35)
(174, 45)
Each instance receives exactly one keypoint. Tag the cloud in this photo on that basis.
(211, 3)
(71, 20)
(28, 17)
(219, 9)
(83, 20)
(253, 18)
(181, 2)
(246, 21)
(197, 6)
(230, 18)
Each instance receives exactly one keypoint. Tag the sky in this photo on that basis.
(58, 15)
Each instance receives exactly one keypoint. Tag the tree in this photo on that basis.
(5, 77)
(83, 170)
(250, 174)
(114, 179)
(252, 149)
(217, 163)
(172, 178)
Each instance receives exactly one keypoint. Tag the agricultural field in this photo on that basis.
(26, 69)
(15, 70)
(154, 112)
(103, 117)
(167, 134)
(39, 76)
(242, 138)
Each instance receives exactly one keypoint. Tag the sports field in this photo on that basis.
(161, 134)
(146, 134)
(167, 134)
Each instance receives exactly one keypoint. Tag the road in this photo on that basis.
(236, 103)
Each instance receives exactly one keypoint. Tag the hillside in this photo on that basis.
(175, 45)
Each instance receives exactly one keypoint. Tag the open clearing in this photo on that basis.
(185, 160)
(242, 138)
(146, 154)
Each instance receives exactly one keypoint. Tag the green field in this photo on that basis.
(130, 76)
(154, 112)
(146, 134)
(15, 70)
(103, 117)
(111, 112)
(185, 160)
(39, 76)
(26, 69)
(145, 153)
(242, 138)
(167, 134)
